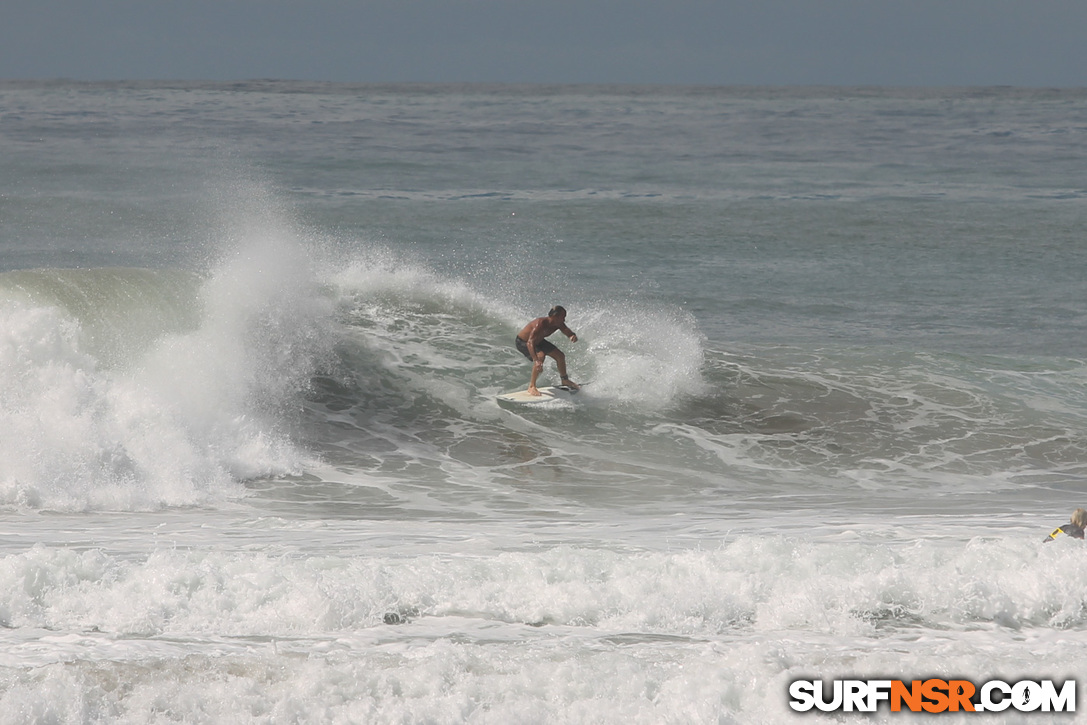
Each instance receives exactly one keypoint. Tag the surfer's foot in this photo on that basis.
(533, 390)
(570, 383)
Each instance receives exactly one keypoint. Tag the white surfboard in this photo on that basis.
(547, 394)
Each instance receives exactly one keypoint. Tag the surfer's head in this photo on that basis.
(557, 311)
(1079, 518)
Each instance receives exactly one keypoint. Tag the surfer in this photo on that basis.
(1073, 528)
(531, 343)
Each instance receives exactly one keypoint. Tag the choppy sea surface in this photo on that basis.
(252, 468)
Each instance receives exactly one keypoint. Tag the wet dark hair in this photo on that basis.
(555, 310)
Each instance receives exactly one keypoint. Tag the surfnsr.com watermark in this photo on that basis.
(933, 695)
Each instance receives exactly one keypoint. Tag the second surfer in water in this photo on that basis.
(1074, 528)
(532, 343)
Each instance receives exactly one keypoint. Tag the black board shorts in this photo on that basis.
(543, 346)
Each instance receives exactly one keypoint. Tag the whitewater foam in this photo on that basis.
(183, 418)
(543, 632)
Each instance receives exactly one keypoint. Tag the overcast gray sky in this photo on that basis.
(718, 42)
